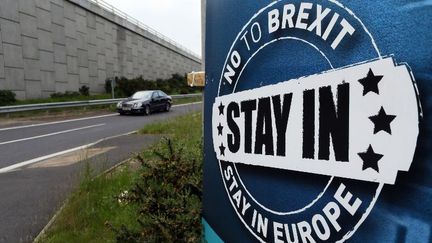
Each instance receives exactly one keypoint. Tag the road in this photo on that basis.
(37, 172)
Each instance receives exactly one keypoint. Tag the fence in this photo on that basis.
(125, 16)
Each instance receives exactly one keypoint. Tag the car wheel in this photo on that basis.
(121, 113)
(167, 107)
(147, 110)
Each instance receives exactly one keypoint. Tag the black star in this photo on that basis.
(370, 82)
(370, 159)
(221, 109)
(220, 128)
(382, 121)
(222, 149)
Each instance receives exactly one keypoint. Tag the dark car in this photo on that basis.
(145, 102)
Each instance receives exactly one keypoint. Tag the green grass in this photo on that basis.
(178, 127)
(178, 101)
(88, 210)
(75, 111)
(61, 111)
(63, 99)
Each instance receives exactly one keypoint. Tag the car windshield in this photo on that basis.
(142, 95)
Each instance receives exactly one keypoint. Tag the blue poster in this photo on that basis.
(316, 124)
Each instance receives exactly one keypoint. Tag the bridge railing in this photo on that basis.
(46, 106)
(127, 17)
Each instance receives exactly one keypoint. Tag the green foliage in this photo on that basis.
(177, 84)
(7, 97)
(169, 188)
(168, 194)
(107, 86)
(84, 90)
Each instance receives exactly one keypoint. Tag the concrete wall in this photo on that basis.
(49, 46)
(203, 31)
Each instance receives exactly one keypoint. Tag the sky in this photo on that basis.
(180, 20)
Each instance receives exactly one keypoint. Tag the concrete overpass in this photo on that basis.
(49, 46)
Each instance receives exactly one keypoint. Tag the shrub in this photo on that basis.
(108, 86)
(177, 84)
(7, 97)
(168, 195)
(84, 90)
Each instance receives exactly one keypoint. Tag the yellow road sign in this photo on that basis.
(196, 79)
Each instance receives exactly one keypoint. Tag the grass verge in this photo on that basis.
(107, 209)
(61, 112)
(63, 99)
(178, 101)
(90, 206)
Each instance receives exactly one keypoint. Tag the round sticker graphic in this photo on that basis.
(304, 157)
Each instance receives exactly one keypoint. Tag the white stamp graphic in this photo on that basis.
(356, 124)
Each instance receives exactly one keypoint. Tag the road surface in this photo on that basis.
(38, 170)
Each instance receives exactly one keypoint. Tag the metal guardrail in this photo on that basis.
(46, 106)
(127, 17)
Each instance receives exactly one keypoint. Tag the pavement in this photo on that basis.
(40, 164)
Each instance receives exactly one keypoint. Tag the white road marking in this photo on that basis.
(45, 157)
(35, 160)
(56, 122)
(51, 134)
(77, 119)
(187, 104)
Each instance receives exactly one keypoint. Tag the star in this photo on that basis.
(220, 128)
(221, 109)
(370, 82)
(222, 149)
(370, 159)
(382, 121)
